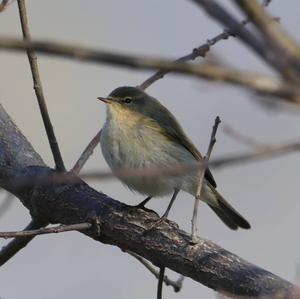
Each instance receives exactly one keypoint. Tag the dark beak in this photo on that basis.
(105, 100)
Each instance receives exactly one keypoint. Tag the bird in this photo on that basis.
(140, 132)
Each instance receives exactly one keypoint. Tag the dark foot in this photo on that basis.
(141, 207)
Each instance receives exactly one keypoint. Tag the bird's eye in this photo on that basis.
(127, 100)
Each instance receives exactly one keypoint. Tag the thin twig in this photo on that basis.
(201, 177)
(160, 282)
(200, 51)
(216, 11)
(39, 90)
(197, 52)
(271, 30)
(17, 244)
(6, 203)
(177, 285)
(48, 230)
(88, 151)
(256, 82)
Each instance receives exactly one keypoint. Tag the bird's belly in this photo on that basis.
(142, 149)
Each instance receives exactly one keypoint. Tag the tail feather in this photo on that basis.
(231, 224)
(227, 213)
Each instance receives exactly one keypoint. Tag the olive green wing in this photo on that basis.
(173, 130)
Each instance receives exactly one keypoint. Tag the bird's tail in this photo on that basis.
(227, 213)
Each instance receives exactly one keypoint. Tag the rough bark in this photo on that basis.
(129, 229)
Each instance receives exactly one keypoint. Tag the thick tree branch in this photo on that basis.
(252, 81)
(165, 245)
(37, 84)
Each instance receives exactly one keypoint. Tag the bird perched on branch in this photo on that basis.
(140, 132)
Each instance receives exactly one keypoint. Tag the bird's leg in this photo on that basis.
(166, 213)
(141, 205)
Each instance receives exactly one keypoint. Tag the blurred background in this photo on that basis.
(71, 265)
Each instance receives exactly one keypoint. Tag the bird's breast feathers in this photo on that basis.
(139, 142)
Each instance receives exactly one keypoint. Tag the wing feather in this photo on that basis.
(173, 130)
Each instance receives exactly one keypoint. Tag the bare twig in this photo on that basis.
(254, 42)
(253, 81)
(88, 151)
(160, 282)
(197, 52)
(6, 203)
(17, 244)
(201, 177)
(200, 51)
(48, 230)
(271, 30)
(177, 285)
(38, 89)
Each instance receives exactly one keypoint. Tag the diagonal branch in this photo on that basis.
(258, 45)
(197, 52)
(37, 84)
(270, 29)
(76, 202)
(263, 84)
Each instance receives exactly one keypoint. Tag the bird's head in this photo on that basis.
(130, 101)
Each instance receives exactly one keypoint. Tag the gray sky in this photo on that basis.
(72, 266)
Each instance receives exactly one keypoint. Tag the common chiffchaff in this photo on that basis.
(140, 132)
